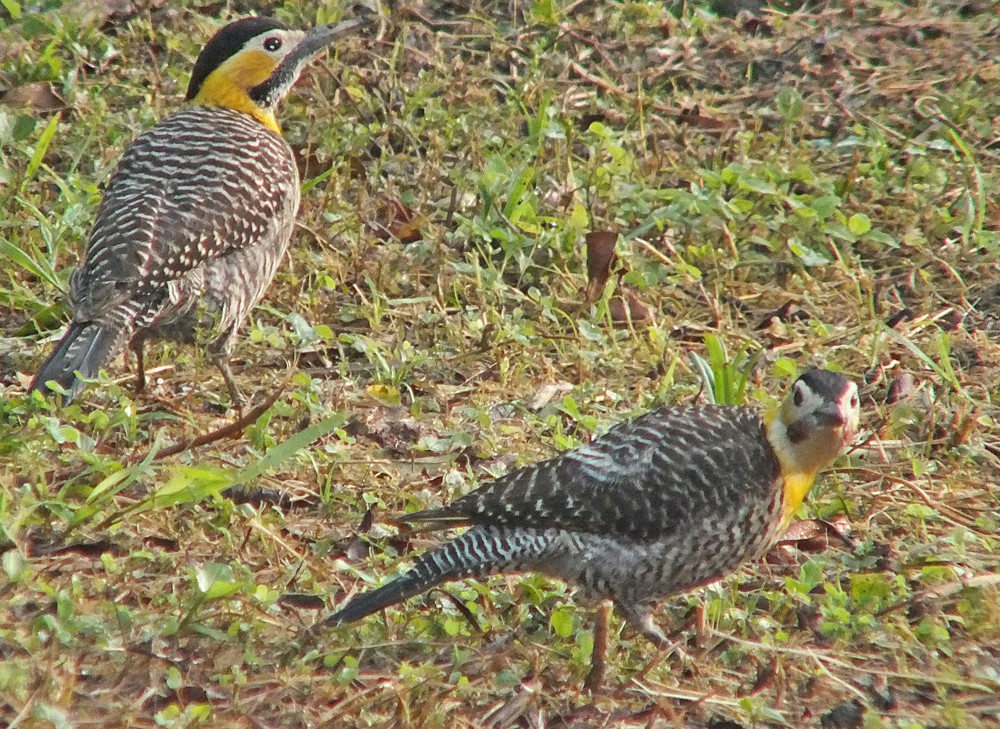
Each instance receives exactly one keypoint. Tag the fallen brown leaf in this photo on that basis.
(394, 220)
(816, 535)
(544, 394)
(899, 317)
(695, 118)
(357, 550)
(901, 387)
(39, 96)
(600, 256)
(301, 600)
(627, 308)
(783, 313)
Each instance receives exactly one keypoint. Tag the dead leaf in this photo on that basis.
(559, 196)
(392, 428)
(545, 393)
(902, 386)
(816, 535)
(757, 25)
(367, 521)
(192, 694)
(310, 165)
(610, 117)
(899, 317)
(688, 334)
(165, 543)
(627, 308)
(803, 529)
(992, 218)
(783, 313)
(765, 677)
(357, 549)
(695, 118)
(394, 220)
(623, 308)
(600, 256)
(261, 496)
(507, 712)
(86, 548)
(302, 601)
(40, 96)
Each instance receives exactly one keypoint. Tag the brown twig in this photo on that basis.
(949, 514)
(586, 75)
(231, 430)
(602, 624)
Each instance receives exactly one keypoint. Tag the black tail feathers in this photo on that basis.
(461, 557)
(85, 348)
(412, 583)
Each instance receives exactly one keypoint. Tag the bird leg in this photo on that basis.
(220, 353)
(602, 622)
(138, 346)
(641, 618)
(222, 362)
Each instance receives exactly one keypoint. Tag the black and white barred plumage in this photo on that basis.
(188, 237)
(198, 214)
(672, 500)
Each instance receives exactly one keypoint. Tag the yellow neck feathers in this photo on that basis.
(797, 485)
(230, 83)
(798, 469)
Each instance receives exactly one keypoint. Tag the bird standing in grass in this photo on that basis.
(198, 214)
(670, 501)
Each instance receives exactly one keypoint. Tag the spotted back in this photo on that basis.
(201, 184)
(644, 480)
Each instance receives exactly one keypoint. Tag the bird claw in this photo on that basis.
(221, 361)
(641, 618)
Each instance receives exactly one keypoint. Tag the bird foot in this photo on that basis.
(236, 397)
(641, 618)
(653, 632)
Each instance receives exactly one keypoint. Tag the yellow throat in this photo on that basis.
(229, 84)
(796, 479)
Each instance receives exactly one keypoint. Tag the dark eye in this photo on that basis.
(854, 401)
(797, 397)
(272, 44)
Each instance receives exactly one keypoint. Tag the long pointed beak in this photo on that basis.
(319, 38)
(831, 415)
(287, 72)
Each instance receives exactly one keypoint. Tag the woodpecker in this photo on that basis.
(672, 500)
(198, 214)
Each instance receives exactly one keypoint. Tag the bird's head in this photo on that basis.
(816, 420)
(251, 64)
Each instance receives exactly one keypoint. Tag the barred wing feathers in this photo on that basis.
(201, 184)
(645, 479)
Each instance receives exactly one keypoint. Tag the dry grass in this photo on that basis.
(812, 187)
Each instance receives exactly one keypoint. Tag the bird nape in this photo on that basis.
(198, 214)
(670, 501)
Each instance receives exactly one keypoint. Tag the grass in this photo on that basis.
(813, 186)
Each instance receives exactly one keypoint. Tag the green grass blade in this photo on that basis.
(19, 257)
(41, 148)
(285, 450)
(944, 371)
(704, 370)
